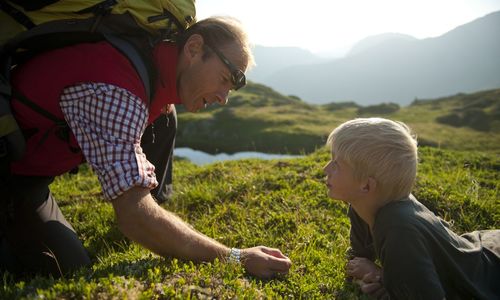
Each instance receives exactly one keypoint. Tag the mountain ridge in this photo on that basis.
(399, 70)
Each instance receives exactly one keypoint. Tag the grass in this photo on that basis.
(260, 119)
(279, 203)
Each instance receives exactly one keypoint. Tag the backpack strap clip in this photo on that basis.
(100, 9)
(173, 28)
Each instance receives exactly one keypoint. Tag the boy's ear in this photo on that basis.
(368, 185)
(193, 46)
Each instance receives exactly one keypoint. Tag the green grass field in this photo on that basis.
(279, 203)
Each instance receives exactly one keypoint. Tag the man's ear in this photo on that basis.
(193, 47)
(369, 185)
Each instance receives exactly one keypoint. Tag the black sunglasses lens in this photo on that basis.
(237, 76)
(239, 79)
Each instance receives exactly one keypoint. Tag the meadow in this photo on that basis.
(258, 118)
(279, 203)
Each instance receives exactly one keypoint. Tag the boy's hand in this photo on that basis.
(367, 275)
(358, 267)
(371, 284)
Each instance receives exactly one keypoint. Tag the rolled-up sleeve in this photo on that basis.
(108, 123)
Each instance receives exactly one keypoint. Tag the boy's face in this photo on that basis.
(340, 180)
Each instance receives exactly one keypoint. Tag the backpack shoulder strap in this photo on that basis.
(16, 14)
(61, 33)
(135, 58)
(12, 142)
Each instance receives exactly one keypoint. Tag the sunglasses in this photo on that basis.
(237, 76)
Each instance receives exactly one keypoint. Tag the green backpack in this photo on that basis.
(29, 27)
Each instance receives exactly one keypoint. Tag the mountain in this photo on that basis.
(376, 40)
(272, 59)
(398, 68)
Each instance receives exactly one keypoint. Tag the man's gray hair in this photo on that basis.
(220, 32)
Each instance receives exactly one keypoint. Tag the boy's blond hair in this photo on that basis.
(379, 148)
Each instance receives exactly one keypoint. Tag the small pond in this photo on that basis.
(202, 158)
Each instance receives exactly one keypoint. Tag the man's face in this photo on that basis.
(208, 80)
(340, 180)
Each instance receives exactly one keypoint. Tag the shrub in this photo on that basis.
(339, 105)
(382, 108)
(452, 119)
(476, 119)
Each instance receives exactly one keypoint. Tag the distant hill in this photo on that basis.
(258, 118)
(272, 59)
(398, 68)
(376, 40)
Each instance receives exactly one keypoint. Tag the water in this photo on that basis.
(202, 158)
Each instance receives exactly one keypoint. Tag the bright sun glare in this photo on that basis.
(332, 26)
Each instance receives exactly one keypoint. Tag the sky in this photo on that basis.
(331, 27)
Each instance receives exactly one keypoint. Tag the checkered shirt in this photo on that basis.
(108, 123)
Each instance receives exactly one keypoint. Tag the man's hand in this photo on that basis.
(141, 219)
(265, 262)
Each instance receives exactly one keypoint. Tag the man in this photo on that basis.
(103, 101)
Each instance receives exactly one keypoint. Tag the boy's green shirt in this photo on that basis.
(423, 259)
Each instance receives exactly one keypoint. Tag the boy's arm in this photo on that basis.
(408, 270)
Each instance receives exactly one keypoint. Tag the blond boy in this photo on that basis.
(373, 169)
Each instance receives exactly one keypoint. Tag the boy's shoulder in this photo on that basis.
(396, 211)
(405, 215)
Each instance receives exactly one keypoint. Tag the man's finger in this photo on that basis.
(273, 252)
(281, 265)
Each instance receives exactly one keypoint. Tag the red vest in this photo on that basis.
(43, 78)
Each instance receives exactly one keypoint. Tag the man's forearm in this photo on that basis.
(141, 219)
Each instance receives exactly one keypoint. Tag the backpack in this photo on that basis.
(29, 27)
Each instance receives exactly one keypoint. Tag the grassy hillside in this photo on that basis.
(281, 203)
(258, 118)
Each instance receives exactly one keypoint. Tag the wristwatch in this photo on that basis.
(234, 255)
